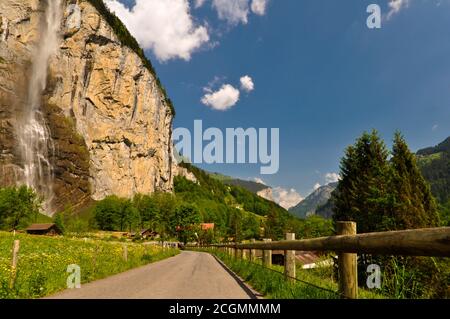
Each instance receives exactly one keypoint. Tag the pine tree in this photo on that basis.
(413, 205)
(59, 222)
(363, 192)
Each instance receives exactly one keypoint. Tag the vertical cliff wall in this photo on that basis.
(109, 121)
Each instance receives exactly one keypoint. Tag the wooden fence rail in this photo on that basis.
(432, 242)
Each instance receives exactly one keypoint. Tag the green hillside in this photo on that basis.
(233, 207)
(434, 163)
(251, 186)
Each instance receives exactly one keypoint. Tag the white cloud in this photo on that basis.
(286, 198)
(331, 177)
(223, 99)
(164, 26)
(259, 180)
(199, 3)
(235, 11)
(395, 6)
(435, 127)
(232, 11)
(247, 83)
(259, 7)
(316, 186)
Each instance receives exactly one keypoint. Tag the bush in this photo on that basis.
(114, 213)
(18, 206)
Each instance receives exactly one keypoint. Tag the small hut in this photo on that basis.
(44, 229)
(207, 226)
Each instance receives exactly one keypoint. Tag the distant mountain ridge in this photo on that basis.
(441, 147)
(251, 186)
(317, 199)
(434, 163)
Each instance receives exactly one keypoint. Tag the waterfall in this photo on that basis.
(34, 135)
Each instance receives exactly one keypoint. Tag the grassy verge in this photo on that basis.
(272, 284)
(43, 261)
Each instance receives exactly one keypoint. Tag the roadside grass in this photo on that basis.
(272, 284)
(43, 262)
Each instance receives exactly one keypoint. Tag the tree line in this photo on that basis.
(384, 190)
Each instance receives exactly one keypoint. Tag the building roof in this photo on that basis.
(207, 226)
(304, 257)
(40, 226)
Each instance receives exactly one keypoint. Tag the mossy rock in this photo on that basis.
(70, 160)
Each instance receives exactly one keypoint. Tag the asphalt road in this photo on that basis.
(189, 275)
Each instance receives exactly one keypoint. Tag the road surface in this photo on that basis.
(189, 275)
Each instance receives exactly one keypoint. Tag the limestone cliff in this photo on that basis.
(109, 120)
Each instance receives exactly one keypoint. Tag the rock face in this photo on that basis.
(108, 118)
(184, 172)
(267, 194)
(316, 200)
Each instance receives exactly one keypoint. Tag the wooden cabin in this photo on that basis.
(43, 229)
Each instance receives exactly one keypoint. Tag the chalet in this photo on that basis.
(306, 259)
(148, 233)
(44, 229)
(145, 233)
(207, 226)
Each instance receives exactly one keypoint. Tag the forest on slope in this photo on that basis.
(434, 164)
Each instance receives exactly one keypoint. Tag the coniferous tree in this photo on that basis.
(363, 192)
(413, 205)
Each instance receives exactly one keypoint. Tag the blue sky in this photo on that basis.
(319, 74)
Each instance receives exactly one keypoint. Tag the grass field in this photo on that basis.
(43, 262)
(273, 285)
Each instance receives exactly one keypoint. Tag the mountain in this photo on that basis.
(102, 125)
(317, 199)
(434, 163)
(441, 147)
(251, 186)
(233, 195)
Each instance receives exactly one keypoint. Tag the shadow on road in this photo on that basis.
(251, 293)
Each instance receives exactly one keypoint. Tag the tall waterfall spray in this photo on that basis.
(34, 135)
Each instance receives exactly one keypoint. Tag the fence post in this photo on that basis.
(125, 252)
(347, 263)
(267, 255)
(289, 260)
(236, 252)
(244, 254)
(15, 258)
(252, 252)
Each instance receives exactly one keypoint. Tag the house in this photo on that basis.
(148, 233)
(306, 259)
(207, 226)
(145, 233)
(43, 229)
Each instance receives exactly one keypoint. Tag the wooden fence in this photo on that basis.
(347, 244)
